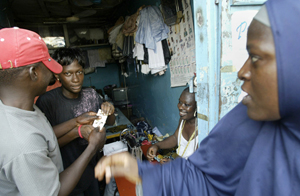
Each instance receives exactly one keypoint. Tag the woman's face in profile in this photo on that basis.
(259, 74)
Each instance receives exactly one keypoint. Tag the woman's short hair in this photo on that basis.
(66, 56)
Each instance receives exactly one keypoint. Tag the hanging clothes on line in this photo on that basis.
(128, 46)
(156, 60)
(115, 30)
(138, 51)
(152, 28)
(130, 26)
(166, 51)
(159, 61)
(114, 33)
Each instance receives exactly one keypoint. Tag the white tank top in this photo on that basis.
(192, 147)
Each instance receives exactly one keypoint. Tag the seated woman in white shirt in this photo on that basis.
(186, 134)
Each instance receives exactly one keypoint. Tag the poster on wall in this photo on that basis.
(240, 22)
(181, 41)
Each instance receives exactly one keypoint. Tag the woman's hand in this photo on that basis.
(87, 118)
(86, 131)
(107, 108)
(118, 165)
(151, 152)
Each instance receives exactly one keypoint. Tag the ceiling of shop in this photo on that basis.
(101, 13)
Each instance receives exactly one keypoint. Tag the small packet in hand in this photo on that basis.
(100, 122)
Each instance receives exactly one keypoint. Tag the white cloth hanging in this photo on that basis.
(94, 59)
(145, 69)
(156, 60)
(114, 33)
(138, 51)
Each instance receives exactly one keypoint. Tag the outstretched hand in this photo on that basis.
(87, 118)
(118, 165)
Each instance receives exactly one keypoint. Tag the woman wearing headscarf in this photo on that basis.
(254, 149)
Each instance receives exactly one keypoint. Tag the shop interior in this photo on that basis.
(116, 76)
(84, 24)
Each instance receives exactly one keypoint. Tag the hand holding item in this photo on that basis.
(107, 108)
(85, 131)
(151, 152)
(118, 165)
(87, 118)
(97, 138)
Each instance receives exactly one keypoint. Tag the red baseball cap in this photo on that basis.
(21, 47)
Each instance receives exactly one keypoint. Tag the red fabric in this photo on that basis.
(125, 187)
(145, 149)
(55, 85)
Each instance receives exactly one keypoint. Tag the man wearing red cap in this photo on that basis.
(30, 159)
